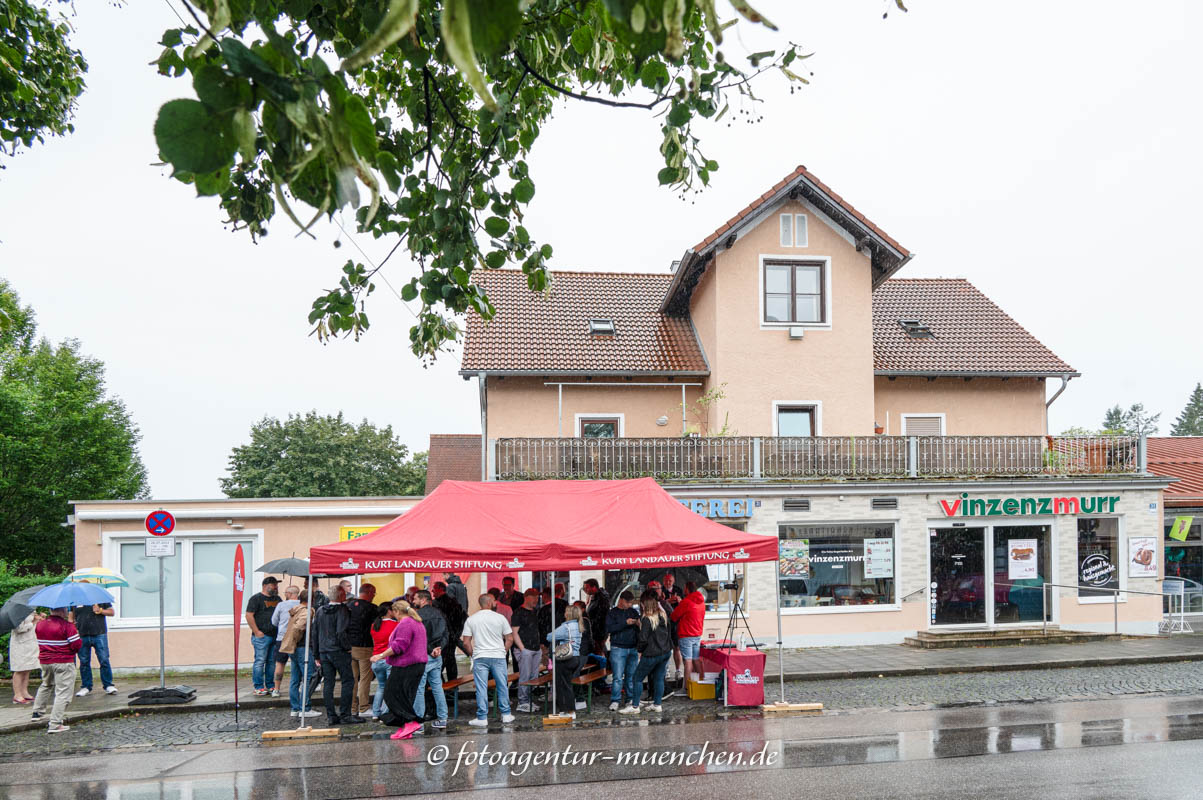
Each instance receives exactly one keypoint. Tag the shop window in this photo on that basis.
(1184, 561)
(795, 420)
(141, 597)
(794, 292)
(212, 577)
(827, 566)
(1021, 566)
(198, 580)
(1098, 557)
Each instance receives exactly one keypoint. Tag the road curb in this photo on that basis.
(181, 708)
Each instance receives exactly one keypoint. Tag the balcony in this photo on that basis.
(773, 458)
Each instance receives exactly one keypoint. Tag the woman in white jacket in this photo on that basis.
(23, 657)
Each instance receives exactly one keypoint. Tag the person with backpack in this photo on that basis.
(655, 646)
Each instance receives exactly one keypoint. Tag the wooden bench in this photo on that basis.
(453, 687)
(588, 675)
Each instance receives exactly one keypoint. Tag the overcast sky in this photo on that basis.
(1048, 152)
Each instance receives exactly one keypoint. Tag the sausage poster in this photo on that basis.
(1021, 559)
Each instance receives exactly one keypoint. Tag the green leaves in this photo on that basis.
(359, 122)
(524, 191)
(433, 111)
(191, 138)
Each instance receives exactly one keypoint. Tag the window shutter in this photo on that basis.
(923, 426)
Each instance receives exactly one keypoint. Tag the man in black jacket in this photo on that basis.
(363, 612)
(596, 610)
(455, 617)
(456, 588)
(334, 651)
(622, 623)
(436, 640)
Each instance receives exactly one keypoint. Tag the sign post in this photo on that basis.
(239, 586)
(160, 524)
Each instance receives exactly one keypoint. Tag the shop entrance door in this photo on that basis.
(959, 595)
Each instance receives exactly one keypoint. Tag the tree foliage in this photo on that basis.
(1134, 421)
(419, 116)
(41, 75)
(62, 438)
(1190, 421)
(322, 456)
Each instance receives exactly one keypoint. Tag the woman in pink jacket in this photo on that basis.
(406, 655)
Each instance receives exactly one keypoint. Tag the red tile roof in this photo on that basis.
(799, 172)
(549, 334)
(1178, 457)
(970, 333)
(452, 457)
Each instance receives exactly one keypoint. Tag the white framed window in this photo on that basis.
(795, 291)
(599, 426)
(929, 424)
(793, 230)
(198, 579)
(838, 567)
(800, 233)
(1102, 551)
(797, 418)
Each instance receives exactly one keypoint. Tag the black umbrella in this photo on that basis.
(287, 566)
(17, 608)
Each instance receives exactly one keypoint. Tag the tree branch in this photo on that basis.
(587, 98)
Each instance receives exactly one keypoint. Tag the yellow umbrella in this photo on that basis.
(98, 575)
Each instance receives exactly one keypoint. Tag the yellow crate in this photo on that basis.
(700, 691)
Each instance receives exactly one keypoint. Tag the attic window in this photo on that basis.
(601, 327)
(916, 329)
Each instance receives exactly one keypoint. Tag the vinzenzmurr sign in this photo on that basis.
(966, 506)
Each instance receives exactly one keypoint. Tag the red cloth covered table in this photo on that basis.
(743, 672)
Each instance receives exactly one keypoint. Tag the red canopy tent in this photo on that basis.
(543, 525)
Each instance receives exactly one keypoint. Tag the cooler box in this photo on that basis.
(700, 690)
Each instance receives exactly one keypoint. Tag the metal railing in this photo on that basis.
(816, 457)
(1115, 593)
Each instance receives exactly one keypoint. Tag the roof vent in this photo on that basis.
(795, 504)
(602, 327)
(883, 503)
(916, 329)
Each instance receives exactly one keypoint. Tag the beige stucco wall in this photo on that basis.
(522, 406)
(980, 406)
(832, 366)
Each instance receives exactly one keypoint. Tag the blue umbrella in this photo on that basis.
(67, 594)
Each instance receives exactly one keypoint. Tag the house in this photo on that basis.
(890, 432)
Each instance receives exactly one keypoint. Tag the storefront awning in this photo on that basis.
(544, 525)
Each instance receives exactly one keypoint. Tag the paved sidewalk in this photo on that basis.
(825, 663)
(216, 692)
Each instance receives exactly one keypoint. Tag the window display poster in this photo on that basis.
(1142, 557)
(794, 558)
(879, 558)
(1021, 559)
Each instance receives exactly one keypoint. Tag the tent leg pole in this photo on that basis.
(551, 647)
(308, 658)
(780, 647)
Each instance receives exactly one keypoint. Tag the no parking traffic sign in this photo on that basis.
(160, 523)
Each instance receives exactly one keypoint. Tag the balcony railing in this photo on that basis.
(817, 457)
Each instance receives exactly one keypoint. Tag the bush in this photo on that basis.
(10, 584)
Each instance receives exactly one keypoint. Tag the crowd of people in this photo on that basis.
(408, 646)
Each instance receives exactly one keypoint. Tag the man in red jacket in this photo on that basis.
(58, 642)
(690, 614)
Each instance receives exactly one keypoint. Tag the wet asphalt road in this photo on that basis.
(1130, 747)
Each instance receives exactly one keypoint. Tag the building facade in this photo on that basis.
(891, 433)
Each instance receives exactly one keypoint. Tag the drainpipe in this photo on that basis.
(1064, 383)
(484, 426)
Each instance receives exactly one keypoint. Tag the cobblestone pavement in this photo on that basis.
(858, 695)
